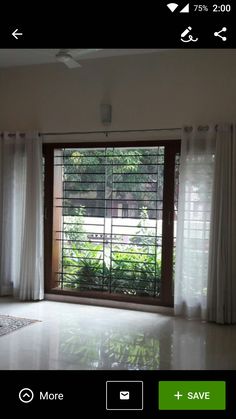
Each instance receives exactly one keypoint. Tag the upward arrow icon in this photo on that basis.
(26, 395)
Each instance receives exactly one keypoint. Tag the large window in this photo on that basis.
(110, 217)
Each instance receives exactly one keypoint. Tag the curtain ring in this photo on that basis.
(188, 129)
(203, 128)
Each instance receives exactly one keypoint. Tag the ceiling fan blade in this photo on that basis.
(71, 63)
(81, 52)
(64, 57)
(69, 57)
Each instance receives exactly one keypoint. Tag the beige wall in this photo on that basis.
(146, 91)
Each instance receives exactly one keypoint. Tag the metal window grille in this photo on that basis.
(108, 207)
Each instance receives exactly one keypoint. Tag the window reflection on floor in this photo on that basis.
(114, 350)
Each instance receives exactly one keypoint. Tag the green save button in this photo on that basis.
(192, 395)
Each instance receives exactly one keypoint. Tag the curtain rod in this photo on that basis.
(106, 132)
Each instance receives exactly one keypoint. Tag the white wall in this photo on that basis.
(147, 91)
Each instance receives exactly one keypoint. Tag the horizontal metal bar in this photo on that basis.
(109, 199)
(65, 223)
(133, 261)
(81, 156)
(117, 216)
(80, 165)
(105, 208)
(137, 173)
(83, 173)
(104, 158)
(137, 236)
(131, 270)
(103, 190)
(105, 288)
(81, 199)
(110, 208)
(75, 232)
(113, 243)
(73, 241)
(105, 242)
(133, 253)
(84, 181)
(105, 285)
(126, 235)
(83, 190)
(139, 183)
(132, 191)
(105, 282)
(76, 257)
(127, 226)
(108, 277)
(117, 278)
(136, 245)
(110, 152)
(80, 224)
(70, 274)
(82, 266)
(104, 164)
(114, 173)
(97, 268)
(101, 174)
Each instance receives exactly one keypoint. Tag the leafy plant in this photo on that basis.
(73, 228)
(84, 269)
(136, 272)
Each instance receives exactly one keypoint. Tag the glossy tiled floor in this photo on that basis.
(73, 336)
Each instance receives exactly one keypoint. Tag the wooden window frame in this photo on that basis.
(51, 254)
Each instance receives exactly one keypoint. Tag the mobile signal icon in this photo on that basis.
(172, 6)
(185, 9)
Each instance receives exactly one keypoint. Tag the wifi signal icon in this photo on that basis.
(172, 6)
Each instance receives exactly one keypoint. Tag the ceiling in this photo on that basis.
(24, 57)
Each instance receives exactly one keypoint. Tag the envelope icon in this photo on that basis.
(124, 395)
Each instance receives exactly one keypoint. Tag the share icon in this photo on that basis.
(224, 38)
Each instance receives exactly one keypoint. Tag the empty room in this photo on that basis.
(117, 209)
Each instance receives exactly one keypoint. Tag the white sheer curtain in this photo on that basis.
(194, 212)
(21, 216)
(221, 295)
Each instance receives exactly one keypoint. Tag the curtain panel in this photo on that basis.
(194, 215)
(21, 216)
(205, 276)
(221, 294)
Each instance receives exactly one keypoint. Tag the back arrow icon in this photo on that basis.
(16, 34)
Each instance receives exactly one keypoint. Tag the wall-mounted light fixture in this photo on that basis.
(106, 113)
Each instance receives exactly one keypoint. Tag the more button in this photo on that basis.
(192, 395)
